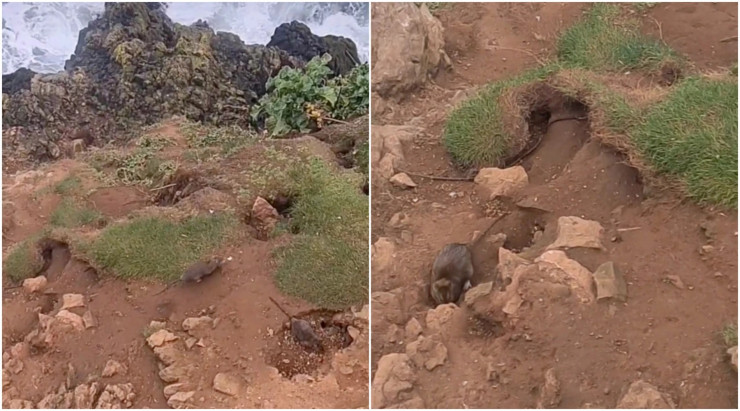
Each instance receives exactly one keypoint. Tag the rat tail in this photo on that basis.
(280, 308)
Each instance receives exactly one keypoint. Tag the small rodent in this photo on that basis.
(301, 330)
(196, 272)
(452, 270)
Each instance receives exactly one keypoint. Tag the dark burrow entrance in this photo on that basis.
(290, 358)
(180, 185)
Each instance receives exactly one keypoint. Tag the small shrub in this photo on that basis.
(69, 215)
(68, 186)
(22, 261)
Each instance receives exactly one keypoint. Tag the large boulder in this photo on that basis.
(407, 47)
(296, 39)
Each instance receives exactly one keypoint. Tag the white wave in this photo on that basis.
(41, 36)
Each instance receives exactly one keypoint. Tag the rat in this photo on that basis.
(301, 330)
(453, 269)
(196, 272)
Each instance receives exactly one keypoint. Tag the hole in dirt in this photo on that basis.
(56, 256)
(669, 75)
(366, 189)
(291, 358)
(282, 203)
(521, 228)
(481, 326)
(178, 186)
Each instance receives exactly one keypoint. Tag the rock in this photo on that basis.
(415, 403)
(17, 81)
(413, 328)
(399, 220)
(56, 401)
(386, 167)
(192, 324)
(393, 377)
(72, 301)
(427, 352)
(85, 394)
(732, 352)
(113, 367)
(180, 399)
(363, 314)
(190, 342)
(479, 291)
(643, 395)
(160, 337)
(174, 373)
(172, 389)
(439, 316)
(383, 255)
(407, 49)
(77, 146)
(297, 40)
(72, 319)
(501, 182)
(116, 396)
(6, 379)
(228, 383)
(264, 217)
(157, 325)
(168, 354)
(36, 284)
(561, 268)
(88, 320)
(508, 263)
(14, 365)
(403, 180)
(303, 379)
(19, 404)
(576, 232)
(610, 283)
(353, 332)
(550, 393)
(676, 281)
(20, 350)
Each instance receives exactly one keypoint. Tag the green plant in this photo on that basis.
(300, 100)
(143, 166)
(68, 185)
(69, 215)
(729, 335)
(22, 261)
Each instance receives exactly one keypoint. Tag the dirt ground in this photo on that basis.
(665, 334)
(244, 337)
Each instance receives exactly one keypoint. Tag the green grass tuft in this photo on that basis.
(22, 262)
(69, 215)
(729, 335)
(68, 186)
(230, 139)
(474, 133)
(327, 262)
(693, 134)
(157, 248)
(604, 41)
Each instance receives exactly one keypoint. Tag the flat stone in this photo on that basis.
(402, 180)
(502, 182)
(36, 284)
(88, 320)
(195, 324)
(427, 352)
(180, 399)
(609, 282)
(439, 316)
(383, 254)
(73, 319)
(160, 337)
(479, 291)
(113, 367)
(643, 395)
(576, 232)
(550, 393)
(393, 377)
(172, 389)
(561, 268)
(228, 383)
(72, 301)
(413, 328)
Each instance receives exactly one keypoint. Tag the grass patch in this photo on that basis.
(362, 157)
(327, 262)
(692, 134)
(729, 335)
(606, 41)
(23, 261)
(69, 215)
(475, 133)
(158, 248)
(68, 186)
(230, 139)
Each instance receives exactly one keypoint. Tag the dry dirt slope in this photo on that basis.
(678, 260)
(219, 344)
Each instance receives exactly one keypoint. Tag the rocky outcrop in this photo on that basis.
(296, 39)
(133, 66)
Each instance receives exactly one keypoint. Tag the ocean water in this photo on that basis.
(41, 36)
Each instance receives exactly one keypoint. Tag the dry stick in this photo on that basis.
(542, 63)
(727, 39)
(335, 120)
(660, 29)
(163, 187)
(622, 230)
(438, 178)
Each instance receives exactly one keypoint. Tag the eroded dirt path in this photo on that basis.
(664, 334)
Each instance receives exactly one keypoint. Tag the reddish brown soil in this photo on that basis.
(663, 334)
(248, 332)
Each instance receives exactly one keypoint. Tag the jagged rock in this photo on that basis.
(116, 396)
(167, 354)
(427, 352)
(393, 378)
(363, 314)
(550, 393)
(174, 373)
(20, 350)
(72, 301)
(113, 367)
(160, 337)
(264, 217)
(609, 282)
(190, 342)
(17, 80)
(439, 316)
(353, 332)
(180, 399)
(403, 180)
(508, 263)
(561, 268)
(576, 232)
(228, 383)
(408, 47)
(386, 167)
(172, 389)
(88, 320)
(383, 254)
(57, 400)
(77, 146)
(399, 220)
(643, 395)
(19, 404)
(70, 318)
(296, 39)
(413, 328)
(414, 403)
(732, 352)
(157, 325)
(193, 324)
(6, 378)
(85, 394)
(36, 284)
(501, 182)
(479, 291)
(14, 365)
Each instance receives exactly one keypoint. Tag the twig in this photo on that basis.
(660, 29)
(335, 120)
(542, 63)
(163, 187)
(622, 230)
(728, 39)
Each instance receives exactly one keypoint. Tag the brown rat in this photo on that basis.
(301, 330)
(196, 272)
(452, 270)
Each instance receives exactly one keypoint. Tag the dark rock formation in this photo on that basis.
(18, 80)
(297, 40)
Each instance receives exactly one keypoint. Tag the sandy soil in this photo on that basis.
(664, 334)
